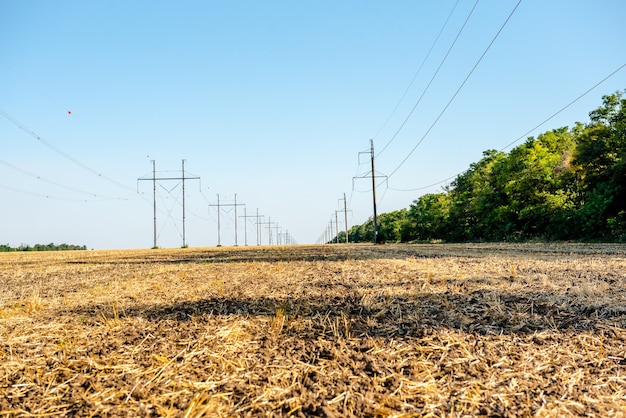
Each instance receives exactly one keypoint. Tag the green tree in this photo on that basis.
(600, 159)
(538, 184)
(427, 218)
(475, 199)
(391, 226)
(564, 184)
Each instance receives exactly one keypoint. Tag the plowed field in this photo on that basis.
(333, 331)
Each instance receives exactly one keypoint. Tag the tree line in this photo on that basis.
(42, 247)
(565, 184)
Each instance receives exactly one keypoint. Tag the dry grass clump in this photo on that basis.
(420, 330)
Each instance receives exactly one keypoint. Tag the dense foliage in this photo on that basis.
(566, 184)
(43, 247)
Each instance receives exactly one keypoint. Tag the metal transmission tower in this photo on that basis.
(278, 229)
(220, 205)
(219, 242)
(245, 219)
(269, 224)
(289, 240)
(154, 180)
(373, 176)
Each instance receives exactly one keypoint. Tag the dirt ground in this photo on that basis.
(330, 331)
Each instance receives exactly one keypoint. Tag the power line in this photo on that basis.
(60, 152)
(564, 107)
(525, 135)
(419, 70)
(45, 196)
(431, 80)
(58, 184)
(458, 90)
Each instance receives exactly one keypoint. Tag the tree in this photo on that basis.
(427, 218)
(600, 160)
(538, 184)
(391, 226)
(564, 184)
(475, 199)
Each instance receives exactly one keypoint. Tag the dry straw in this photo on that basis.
(420, 330)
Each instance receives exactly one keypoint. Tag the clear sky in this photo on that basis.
(273, 101)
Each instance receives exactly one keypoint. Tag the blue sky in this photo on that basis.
(272, 101)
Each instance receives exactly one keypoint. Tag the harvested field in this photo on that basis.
(334, 331)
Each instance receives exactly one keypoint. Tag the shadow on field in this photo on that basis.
(273, 254)
(480, 312)
(312, 253)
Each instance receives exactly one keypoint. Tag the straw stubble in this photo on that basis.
(424, 330)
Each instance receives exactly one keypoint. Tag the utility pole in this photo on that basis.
(245, 226)
(218, 216)
(374, 192)
(258, 228)
(184, 239)
(269, 230)
(269, 224)
(219, 243)
(154, 179)
(154, 200)
(337, 227)
(154, 205)
(277, 228)
(236, 220)
(330, 224)
(345, 214)
(245, 218)
(373, 176)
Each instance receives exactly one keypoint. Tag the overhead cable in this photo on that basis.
(430, 82)
(458, 90)
(419, 70)
(525, 135)
(57, 184)
(60, 152)
(46, 196)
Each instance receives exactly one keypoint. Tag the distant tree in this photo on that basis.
(341, 236)
(6, 248)
(43, 247)
(363, 232)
